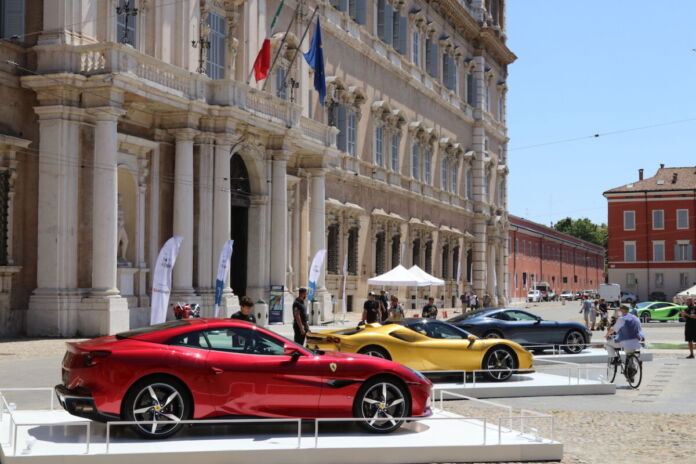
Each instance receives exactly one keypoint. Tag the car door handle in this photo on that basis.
(216, 370)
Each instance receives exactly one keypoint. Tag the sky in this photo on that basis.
(588, 67)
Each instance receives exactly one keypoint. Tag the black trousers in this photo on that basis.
(299, 337)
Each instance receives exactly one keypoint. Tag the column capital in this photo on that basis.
(317, 172)
(205, 138)
(106, 113)
(258, 200)
(184, 134)
(225, 140)
(280, 154)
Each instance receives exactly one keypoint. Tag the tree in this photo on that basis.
(584, 229)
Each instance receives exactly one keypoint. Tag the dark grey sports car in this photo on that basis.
(524, 328)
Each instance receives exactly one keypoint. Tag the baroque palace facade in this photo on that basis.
(128, 122)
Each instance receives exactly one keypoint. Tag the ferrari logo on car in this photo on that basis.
(333, 367)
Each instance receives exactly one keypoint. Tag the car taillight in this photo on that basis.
(92, 358)
(331, 339)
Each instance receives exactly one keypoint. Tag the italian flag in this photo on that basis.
(263, 59)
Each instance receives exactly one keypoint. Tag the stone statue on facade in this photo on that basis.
(122, 235)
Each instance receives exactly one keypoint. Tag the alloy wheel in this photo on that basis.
(382, 405)
(500, 364)
(161, 403)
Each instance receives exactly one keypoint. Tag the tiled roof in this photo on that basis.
(517, 221)
(665, 179)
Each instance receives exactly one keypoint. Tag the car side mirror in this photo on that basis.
(472, 337)
(538, 319)
(289, 350)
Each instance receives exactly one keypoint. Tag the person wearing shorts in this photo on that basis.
(689, 315)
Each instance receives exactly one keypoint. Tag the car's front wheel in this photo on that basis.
(376, 351)
(574, 342)
(382, 402)
(500, 363)
(160, 403)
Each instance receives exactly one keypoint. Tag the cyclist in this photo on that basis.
(626, 334)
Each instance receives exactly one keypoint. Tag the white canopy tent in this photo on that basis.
(684, 294)
(425, 277)
(398, 277)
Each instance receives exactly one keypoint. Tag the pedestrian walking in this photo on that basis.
(396, 311)
(464, 297)
(430, 310)
(245, 314)
(299, 317)
(473, 301)
(586, 309)
(594, 314)
(689, 315)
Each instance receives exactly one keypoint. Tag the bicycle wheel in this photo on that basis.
(611, 370)
(634, 370)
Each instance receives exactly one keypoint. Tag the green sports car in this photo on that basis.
(659, 311)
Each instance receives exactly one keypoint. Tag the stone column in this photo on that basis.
(104, 202)
(279, 219)
(502, 273)
(183, 210)
(206, 256)
(104, 312)
(317, 221)
(257, 284)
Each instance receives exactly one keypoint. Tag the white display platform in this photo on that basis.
(446, 437)
(587, 356)
(534, 384)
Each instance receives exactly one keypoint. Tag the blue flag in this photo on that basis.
(315, 59)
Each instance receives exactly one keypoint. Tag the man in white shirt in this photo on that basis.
(626, 334)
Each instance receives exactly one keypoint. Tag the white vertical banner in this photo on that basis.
(223, 268)
(162, 280)
(315, 272)
(344, 305)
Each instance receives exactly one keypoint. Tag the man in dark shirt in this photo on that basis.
(430, 310)
(299, 317)
(244, 314)
(689, 315)
(371, 312)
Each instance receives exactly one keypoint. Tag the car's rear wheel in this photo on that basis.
(645, 316)
(492, 334)
(164, 401)
(376, 351)
(381, 401)
(500, 362)
(574, 342)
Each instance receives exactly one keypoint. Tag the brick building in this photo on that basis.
(541, 254)
(652, 231)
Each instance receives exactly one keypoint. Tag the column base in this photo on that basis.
(103, 316)
(54, 313)
(229, 304)
(323, 299)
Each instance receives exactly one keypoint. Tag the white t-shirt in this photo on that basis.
(632, 344)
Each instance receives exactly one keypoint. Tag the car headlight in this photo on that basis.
(418, 374)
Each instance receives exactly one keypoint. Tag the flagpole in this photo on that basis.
(273, 22)
(277, 53)
(300, 44)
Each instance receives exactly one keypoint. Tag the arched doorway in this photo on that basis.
(240, 192)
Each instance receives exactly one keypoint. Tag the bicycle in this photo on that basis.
(631, 368)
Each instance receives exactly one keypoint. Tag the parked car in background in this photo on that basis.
(546, 293)
(534, 296)
(524, 328)
(567, 295)
(627, 297)
(659, 311)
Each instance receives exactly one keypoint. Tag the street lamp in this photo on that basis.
(126, 11)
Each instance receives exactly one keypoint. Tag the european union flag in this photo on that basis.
(315, 59)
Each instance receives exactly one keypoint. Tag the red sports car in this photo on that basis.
(205, 368)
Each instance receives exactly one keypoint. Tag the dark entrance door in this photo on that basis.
(240, 191)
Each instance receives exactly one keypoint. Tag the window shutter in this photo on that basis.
(689, 254)
(388, 23)
(342, 126)
(360, 11)
(380, 19)
(12, 19)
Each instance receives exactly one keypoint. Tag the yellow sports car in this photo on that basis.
(428, 345)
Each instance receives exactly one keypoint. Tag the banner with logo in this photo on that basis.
(223, 267)
(315, 272)
(276, 305)
(162, 280)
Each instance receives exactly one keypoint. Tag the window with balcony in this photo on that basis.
(395, 139)
(344, 119)
(356, 9)
(682, 219)
(629, 252)
(385, 21)
(379, 146)
(415, 161)
(280, 85)
(658, 250)
(629, 220)
(12, 19)
(126, 22)
(215, 68)
(427, 160)
(416, 48)
(658, 219)
(399, 32)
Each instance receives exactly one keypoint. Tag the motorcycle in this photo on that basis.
(187, 310)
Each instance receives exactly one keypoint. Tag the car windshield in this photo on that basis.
(436, 329)
(644, 304)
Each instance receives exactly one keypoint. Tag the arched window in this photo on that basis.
(380, 253)
(396, 250)
(332, 257)
(353, 250)
(416, 253)
(429, 257)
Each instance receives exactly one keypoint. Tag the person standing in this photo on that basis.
(689, 315)
(473, 301)
(383, 305)
(586, 309)
(244, 313)
(430, 310)
(299, 317)
(371, 312)
(396, 311)
(464, 297)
